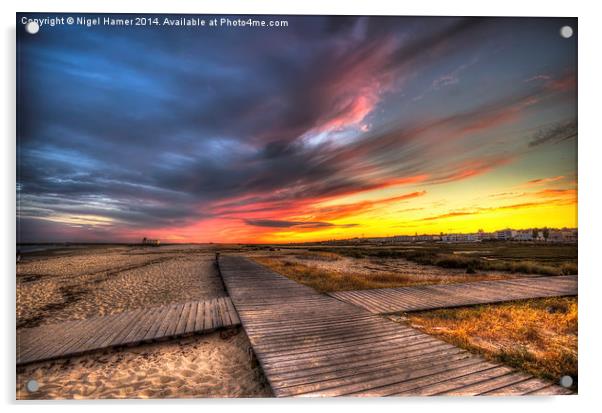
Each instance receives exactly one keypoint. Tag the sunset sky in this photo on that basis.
(333, 127)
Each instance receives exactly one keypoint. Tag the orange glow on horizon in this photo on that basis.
(407, 213)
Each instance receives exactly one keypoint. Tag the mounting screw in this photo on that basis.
(566, 381)
(32, 27)
(566, 32)
(32, 386)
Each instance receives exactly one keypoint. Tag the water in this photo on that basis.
(41, 247)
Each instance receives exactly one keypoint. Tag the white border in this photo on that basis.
(589, 192)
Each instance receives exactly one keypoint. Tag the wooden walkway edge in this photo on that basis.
(127, 328)
(310, 344)
(395, 300)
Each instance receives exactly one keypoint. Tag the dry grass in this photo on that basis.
(511, 257)
(347, 276)
(318, 255)
(325, 281)
(538, 336)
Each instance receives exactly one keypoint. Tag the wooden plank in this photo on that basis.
(207, 316)
(215, 314)
(138, 333)
(38, 340)
(310, 344)
(183, 320)
(225, 316)
(372, 364)
(518, 389)
(427, 385)
(199, 319)
(551, 390)
(134, 323)
(233, 313)
(130, 327)
(392, 300)
(156, 326)
(173, 320)
(361, 383)
(106, 329)
(487, 385)
(191, 317)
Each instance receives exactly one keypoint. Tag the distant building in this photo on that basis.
(524, 235)
(153, 242)
(458, 238)
(566, 235)
(403, 238)
(562, 235)
(570, 235)
(555, 236)
(482, 235)
(505, 234)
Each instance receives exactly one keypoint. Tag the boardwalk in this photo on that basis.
(130, 327)
(394, 300)
(310, 344)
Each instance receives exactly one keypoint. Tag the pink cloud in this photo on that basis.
(542, 181)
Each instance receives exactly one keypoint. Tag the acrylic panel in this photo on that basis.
(290, 205)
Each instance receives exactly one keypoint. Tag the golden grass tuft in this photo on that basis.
(538, 336)
(318, 255)
(324, 280)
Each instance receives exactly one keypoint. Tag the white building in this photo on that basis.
(524, 235)
(505, 234)
(459, 238)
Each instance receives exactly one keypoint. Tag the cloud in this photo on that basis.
(353, 209)
(557, 192)
(557, 133)
(564, 83)
(447, 79)
(508, 195)
(541, 181)
(449, 215)
(538, 78)
(482, 210)
(228, 131)
(272, 223)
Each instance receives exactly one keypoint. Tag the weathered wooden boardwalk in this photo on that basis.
(310, 344)
(130, 327)
(395, 300)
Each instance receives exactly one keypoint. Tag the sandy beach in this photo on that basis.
(74, 284)
(83, 283)
(211, 365)
(55, 289)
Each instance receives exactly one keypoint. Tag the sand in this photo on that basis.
(212, 365)
(77, 284)
(87, 285)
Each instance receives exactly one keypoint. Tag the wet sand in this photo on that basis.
(212, 365)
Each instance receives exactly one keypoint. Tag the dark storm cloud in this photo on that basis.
(556, 133)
